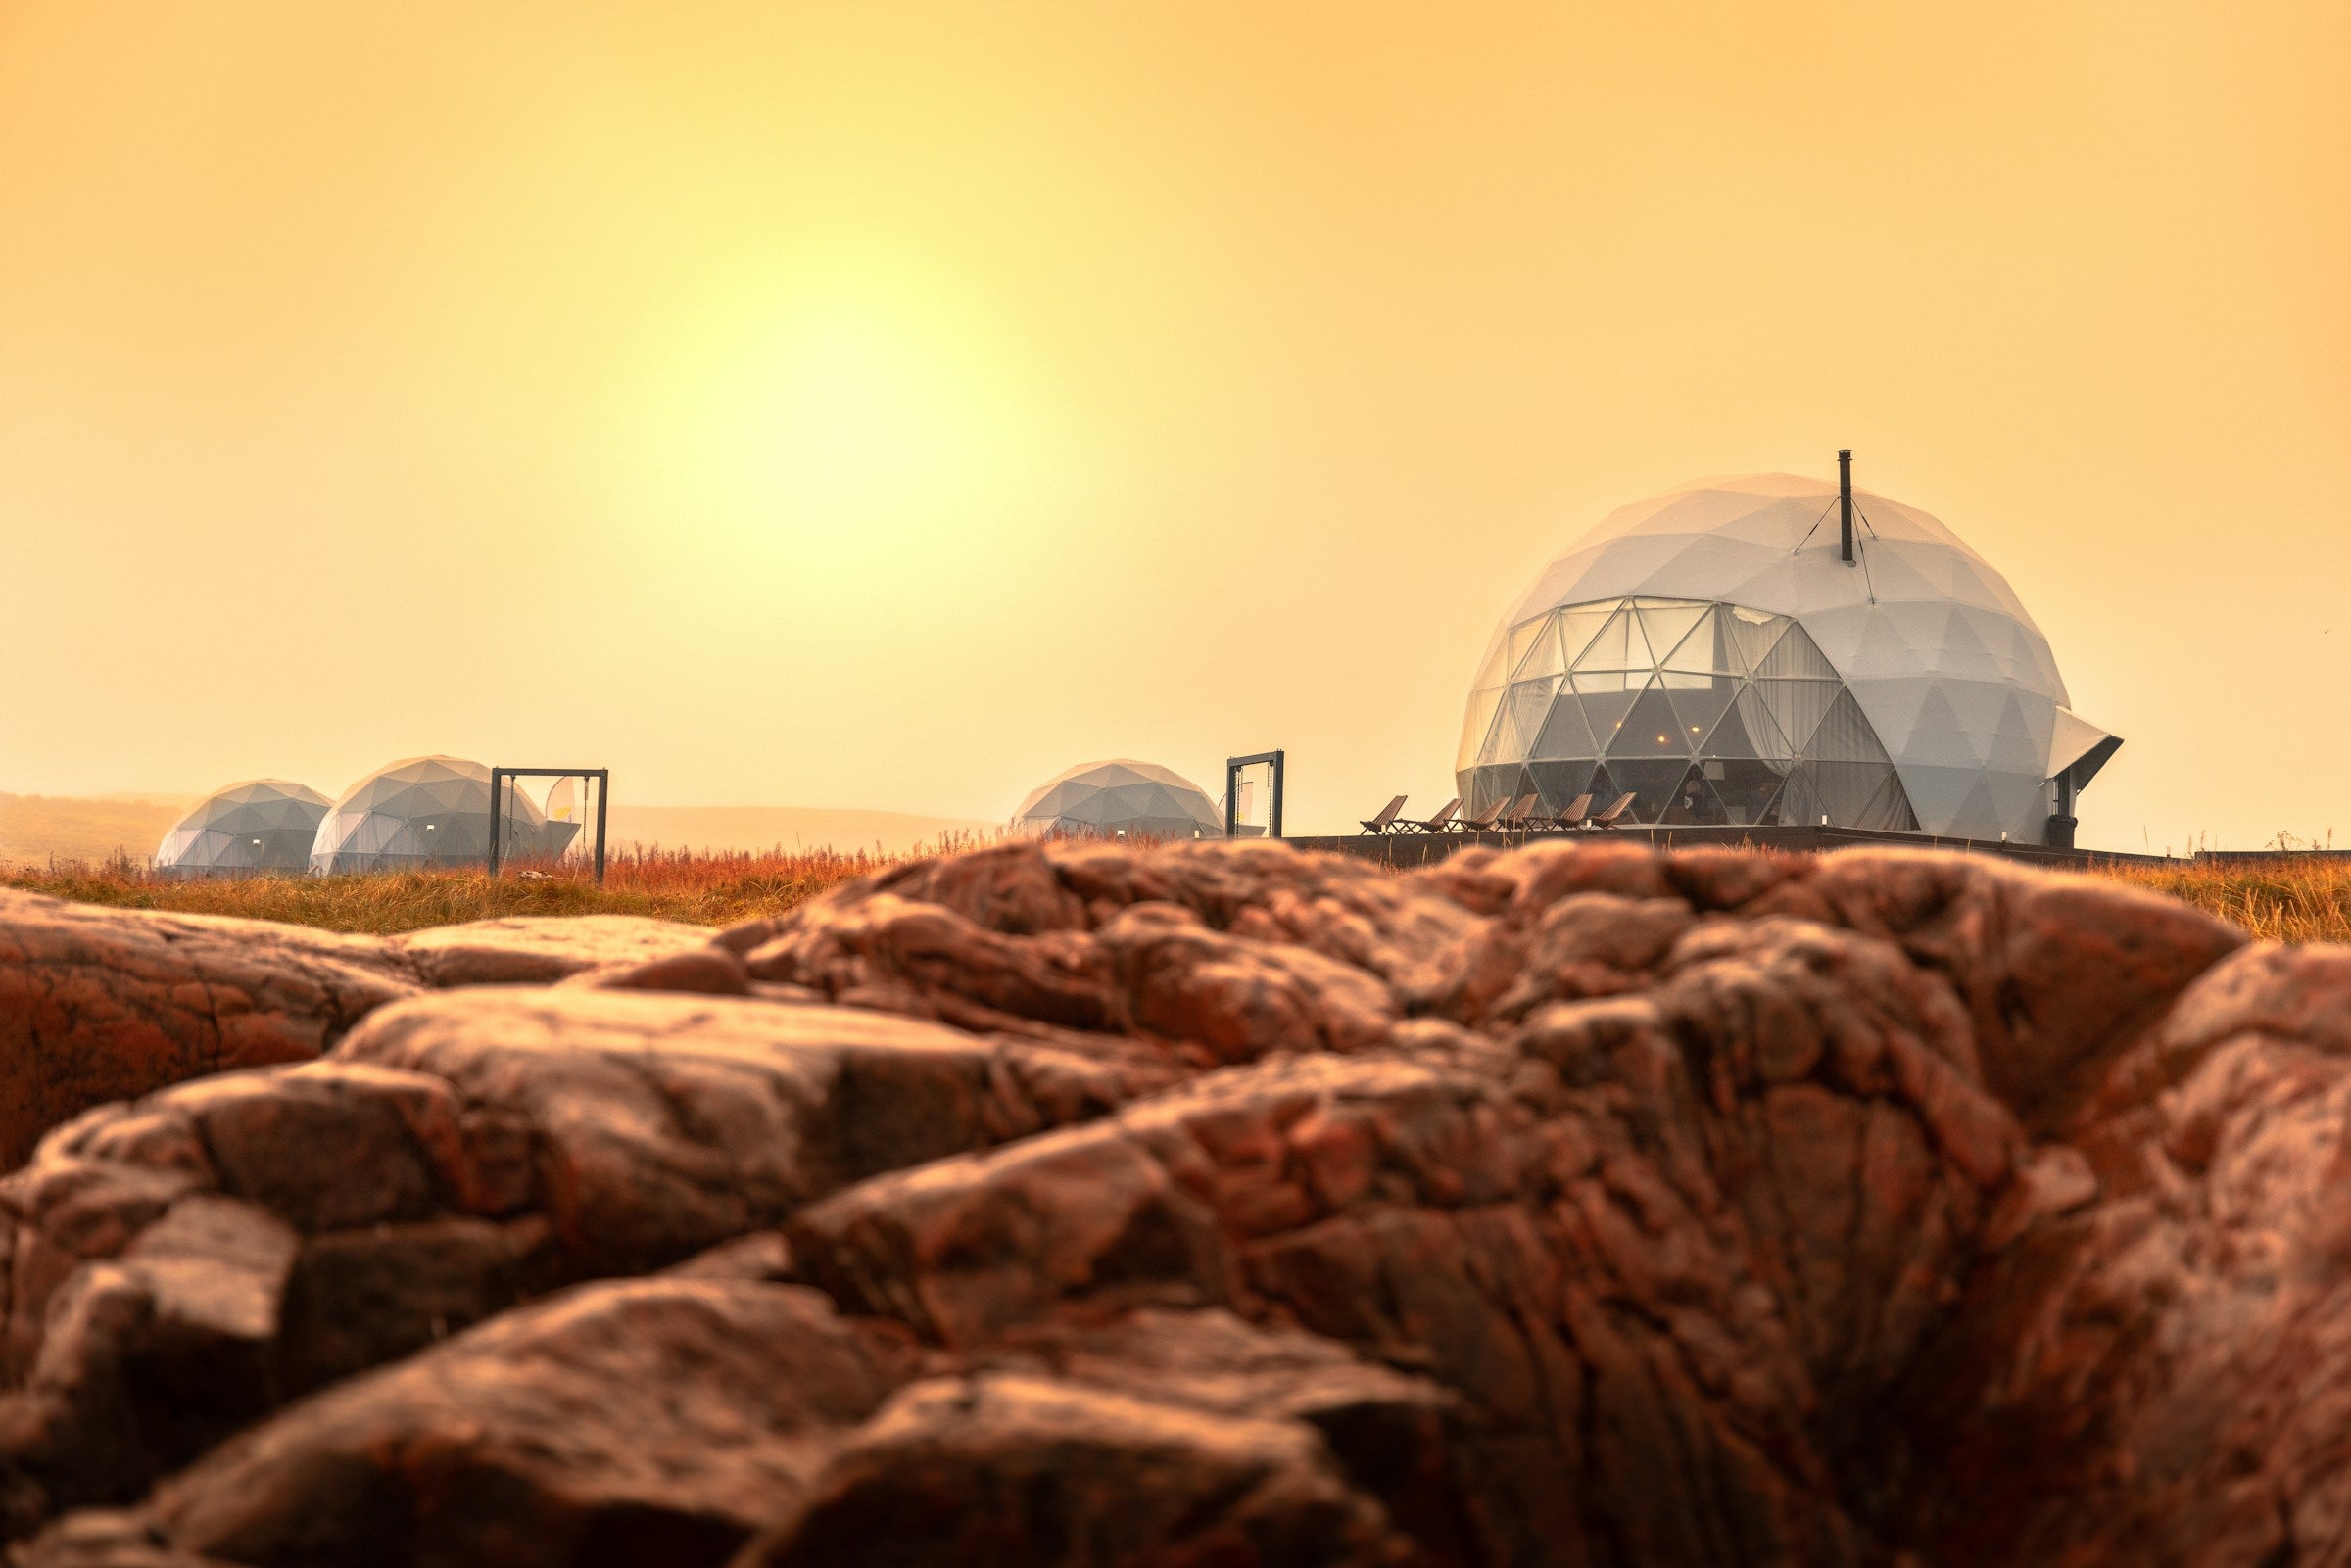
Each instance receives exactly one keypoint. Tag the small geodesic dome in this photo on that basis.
(425, 812)
(262, 825)
(1120, 797)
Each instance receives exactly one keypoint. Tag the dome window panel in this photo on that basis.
(1752, 634)
(1747, 787)
(1888, 808)
(1542, 656)
(1844, 735)
(1488, 787)
(1796, 708)
(1669, 623)
(1606, 700)
(1708, 649)
(1749, 729)
(1618, 646)
(1798, 803)
(1651, 728)
(1525, 639)
(1560, 783)
(1847, 788)
(1693, 801)
(1698, 709)
(1523, 711)
(1579, 626)
(1476, 726)
(1652, 782)
(1564, 733)
(1797, 657)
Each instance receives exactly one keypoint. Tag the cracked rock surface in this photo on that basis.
(105, 1004)
(1210, 1205)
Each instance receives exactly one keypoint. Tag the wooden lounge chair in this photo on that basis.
(1520, 809)
(1608, 817)
(1480, 822)
(1577, 810)
(1384, 822)
(1434, 825)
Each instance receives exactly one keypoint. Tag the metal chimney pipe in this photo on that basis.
(1845, 498)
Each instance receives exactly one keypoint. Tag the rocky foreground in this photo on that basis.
(1207, 1206)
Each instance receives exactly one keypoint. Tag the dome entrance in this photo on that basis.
(1703, 712)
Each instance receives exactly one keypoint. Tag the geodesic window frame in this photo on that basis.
(1689, 705)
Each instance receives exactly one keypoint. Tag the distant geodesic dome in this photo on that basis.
(1139, 800)
(262, 825)
(425, 812)
(1711, 652)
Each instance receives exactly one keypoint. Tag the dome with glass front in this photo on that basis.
(1713, 654)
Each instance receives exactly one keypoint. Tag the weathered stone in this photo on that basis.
(108, 1004)
(707, 971)
(459, 1153)
(150, 1359)
(650, 1421)
(540, 949)
(1582, 1205)
(999, 1468)
(100, 1004)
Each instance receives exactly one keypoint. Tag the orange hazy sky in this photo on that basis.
(878, 405)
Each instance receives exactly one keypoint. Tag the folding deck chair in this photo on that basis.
(1480, 822)
(1521, 808)
(1608, 817)
(1577, 811)
(1434, 825)
(1385, 821)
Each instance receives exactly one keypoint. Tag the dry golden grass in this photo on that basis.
(2296, 898)
(2303, 898)
(707, 890)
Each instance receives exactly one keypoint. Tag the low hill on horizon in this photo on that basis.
(37, 828)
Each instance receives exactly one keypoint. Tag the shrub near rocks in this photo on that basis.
(1221, 1204)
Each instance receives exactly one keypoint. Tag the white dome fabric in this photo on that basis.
(1139, 799)
(426, 813)
(1957, 683)
(241, 830)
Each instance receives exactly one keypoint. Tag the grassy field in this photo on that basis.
(707, 890)
(2297, 899)
(2288, 900)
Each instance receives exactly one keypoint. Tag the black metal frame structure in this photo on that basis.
(500, 778)
(1232, 796)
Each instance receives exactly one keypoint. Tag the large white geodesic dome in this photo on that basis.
(1710, 651)
(240, 829)
(424, 813)
(1120, 797)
